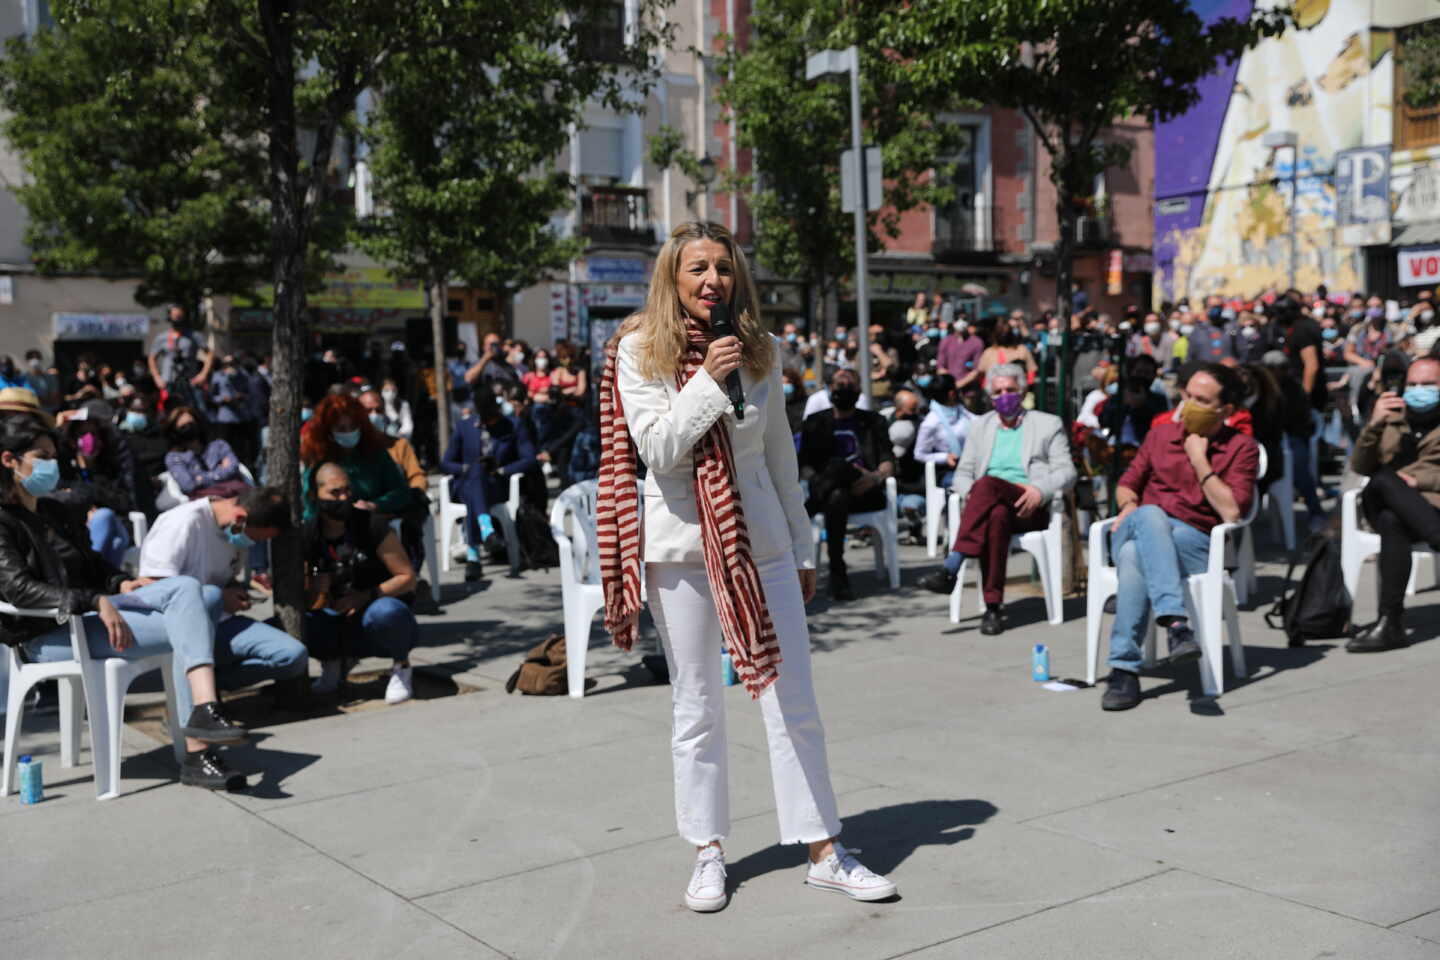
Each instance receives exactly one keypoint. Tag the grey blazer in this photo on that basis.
(1043, 446)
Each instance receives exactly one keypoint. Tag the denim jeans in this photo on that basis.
(1154, 553)
(1304, 480)
(387, 628)
(167, 616)
(109, 536)
(248, 651)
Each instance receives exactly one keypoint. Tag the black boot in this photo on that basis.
(992, 623)
(840, 582)
(939, 581)
(1122, 691)
(206, 768)
(208, 724)
(1387, 633)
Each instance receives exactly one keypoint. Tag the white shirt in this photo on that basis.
(186, 542)
(820, 400)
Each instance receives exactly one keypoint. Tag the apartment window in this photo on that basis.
(1417, 76)
(602, 155)
(37, 15)
(602, 35)
(957, 225)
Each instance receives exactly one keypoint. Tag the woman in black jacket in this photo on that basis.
(46, 563)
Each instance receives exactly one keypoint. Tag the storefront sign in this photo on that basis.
(612, 295)
(1419, 266)
(101, 326)
(617, 270)
(1362, 195)
(1115, 273)
(362, 288)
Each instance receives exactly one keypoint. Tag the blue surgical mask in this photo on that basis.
(44, 477)
(507, 408)
(378, 419)
(239, 538)
(346, 438)
(135, 421)
(788, 388)
(791, 337)
(934, 333)
(924, 380)
(1329, 333)
(306, 413)
(1112, 388)
(1422, 398)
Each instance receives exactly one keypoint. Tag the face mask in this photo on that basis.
(791, 337)
(389, 395)
(238, 538)
(1422, 398)
(1198, 419)
(333, 509)
(1152, 329)
(1249, 332)
(840, 333)
(44, 477)
(844, 398)
(1112, 389)
(306, 413)
(88, 444)
(1427, 315)
(1175, 324)
(1375, 313)
(185, 434)
(924, 380)
(934, 333)
(377, 419)
(1186, 329)
(788, 388)
(346, 438)
(35, 365)
(1008, 405)
(1329, 333)
(1319, 312)
(507, 408)
(135, 421)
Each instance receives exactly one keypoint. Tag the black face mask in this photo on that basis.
(185, 434)
(844, 398)
(333, 509)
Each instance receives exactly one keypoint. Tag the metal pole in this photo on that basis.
(862, 269)
(1294, 209)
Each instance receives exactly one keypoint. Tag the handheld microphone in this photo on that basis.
(721, 326)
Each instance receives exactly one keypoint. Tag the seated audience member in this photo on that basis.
(200, 469)
(846, 455)
(1399, 450)
(909, 472)
(1015, 462)
(1187, 477)
(97, 478)
(358, 579)
(944, 429)
(149, 445)
(45, 562)
(538, 384)
(341, 432)
(485, 450)
(203, 540)
(516, 407)
(398, 420)
(820, 399)
(792, 382)
(1128, 413)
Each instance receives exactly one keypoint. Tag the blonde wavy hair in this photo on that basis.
(661, 323)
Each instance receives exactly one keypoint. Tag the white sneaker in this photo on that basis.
(706, 892)
(401, 686)
(329, 681)
(842, 873)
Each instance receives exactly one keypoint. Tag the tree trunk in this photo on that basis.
(287, 248)
(437, 333)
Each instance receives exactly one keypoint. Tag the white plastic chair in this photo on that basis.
(1210, 599)
(1357, 544)
(504, 514)
(885, 523)
(103, 684)
(1281, 499)
(1046, 546)
(934, 507)
(427, 537)
(572, 524)
(139, 530)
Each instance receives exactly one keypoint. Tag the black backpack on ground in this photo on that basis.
(537, 546)
(1319, 608)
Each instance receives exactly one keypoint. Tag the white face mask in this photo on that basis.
(542, 363)
(1186, 329)
(1152, 329)
(388, 395)
(1319, 313)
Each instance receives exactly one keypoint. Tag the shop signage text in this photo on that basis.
(1419, 266)
(101, 326)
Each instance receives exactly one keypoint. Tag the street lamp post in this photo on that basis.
(822, 64)
(1277, 140)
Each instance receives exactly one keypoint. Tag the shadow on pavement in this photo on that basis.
(886, 835)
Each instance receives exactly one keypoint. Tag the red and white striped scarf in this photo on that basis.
(734, 580)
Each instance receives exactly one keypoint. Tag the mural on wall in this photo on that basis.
(1226, 200)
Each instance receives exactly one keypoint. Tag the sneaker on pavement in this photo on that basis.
(842, 873)
(329, 680)
(208, 724)
(706, 892)
(1180, 640)
(1122, 690)
(206, 768)
(401, 686)
(939, 581)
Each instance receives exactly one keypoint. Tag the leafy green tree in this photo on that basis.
(797, 129)
(1420, 64)
(1072, 67)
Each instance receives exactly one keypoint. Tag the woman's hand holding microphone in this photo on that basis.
(722, 358)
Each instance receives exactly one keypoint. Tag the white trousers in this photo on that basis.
(684, 613)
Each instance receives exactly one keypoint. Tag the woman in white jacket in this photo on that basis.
(727, 548)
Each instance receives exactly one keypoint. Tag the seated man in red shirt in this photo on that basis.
(1187, 477)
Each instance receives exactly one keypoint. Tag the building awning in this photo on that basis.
(1415, 234)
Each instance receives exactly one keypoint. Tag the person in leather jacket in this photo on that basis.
(46, 563)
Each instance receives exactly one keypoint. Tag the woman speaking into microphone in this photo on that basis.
(727, 548)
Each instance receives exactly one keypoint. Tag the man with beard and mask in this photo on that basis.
(1399, 450)
(846, 455)
(1015, 463)
(357, 574)
(1188, 476)
(819, 401)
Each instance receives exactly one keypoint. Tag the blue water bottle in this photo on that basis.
(32, 780)
(727, 668)
(1040, 664)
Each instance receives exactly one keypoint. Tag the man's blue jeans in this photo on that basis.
(387, 628)
(1153, 553)
(168, 616)
(1304, 481)
(109, 536)
(248, 651)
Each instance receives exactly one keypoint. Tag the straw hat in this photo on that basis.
(23, 400)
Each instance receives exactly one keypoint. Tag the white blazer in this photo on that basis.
(666, 423)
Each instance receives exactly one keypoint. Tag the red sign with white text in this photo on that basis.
(1419, 266)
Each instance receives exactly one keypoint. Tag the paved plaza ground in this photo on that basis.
(1294, 817)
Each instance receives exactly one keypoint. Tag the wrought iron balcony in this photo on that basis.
(616, 214)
